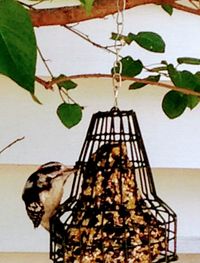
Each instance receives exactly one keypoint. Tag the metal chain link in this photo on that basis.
(117, 66)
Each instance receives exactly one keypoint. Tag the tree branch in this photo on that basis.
(10, 144)
(49, 84)
(101, 9)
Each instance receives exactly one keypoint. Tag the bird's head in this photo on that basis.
(42, 178)
(54, 170)
(43, 191)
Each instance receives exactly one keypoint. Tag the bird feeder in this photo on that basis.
(113, 213)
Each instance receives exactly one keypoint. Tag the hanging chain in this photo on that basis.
(119, 43)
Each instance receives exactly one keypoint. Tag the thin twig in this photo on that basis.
(193, 4)
(45, 62)
(46, 83)
(30, 6)
(61, 95)
(86, 38)
(9, 145)
(68, 96)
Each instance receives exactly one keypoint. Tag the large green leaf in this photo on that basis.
(138, 85)
(148, 40)
(69, 114)
(183, 79)
(17, 44)
(188, 60)
(174, 103)
(130, 67)
(188, 80)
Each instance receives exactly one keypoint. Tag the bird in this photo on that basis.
(43, 192)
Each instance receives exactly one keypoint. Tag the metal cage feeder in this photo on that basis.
(113, 213)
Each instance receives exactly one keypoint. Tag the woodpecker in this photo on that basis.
(43, 192)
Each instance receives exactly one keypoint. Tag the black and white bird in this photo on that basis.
(43, 192)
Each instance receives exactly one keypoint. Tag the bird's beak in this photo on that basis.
(71, 169)
(68, 171)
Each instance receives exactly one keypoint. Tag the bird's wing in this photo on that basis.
(35, 211)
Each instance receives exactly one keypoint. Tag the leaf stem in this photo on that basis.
(68, 96)
(61, 95)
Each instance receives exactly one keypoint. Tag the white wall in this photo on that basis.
(46, 138)
(170, 144)
(67, 53)
(179, 188)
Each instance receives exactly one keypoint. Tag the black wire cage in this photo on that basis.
(113, 213)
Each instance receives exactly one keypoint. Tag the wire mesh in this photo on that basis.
(113, 213)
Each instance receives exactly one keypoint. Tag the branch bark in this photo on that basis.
(49, 84)
(101, 9)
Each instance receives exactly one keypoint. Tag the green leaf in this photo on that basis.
(197, 77)
(119, 37)
(174, 103)
(167, 8)
(130, 67)
(137, 85)
(67, 84)
(69, 114)
(149, 41)
(115, 36)
(17, 44)
(192, 101)
(88, 4)
(197, 74)
(188, 60)
(183, 79)
(188, 80)
(164, 62)
(158, 69)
